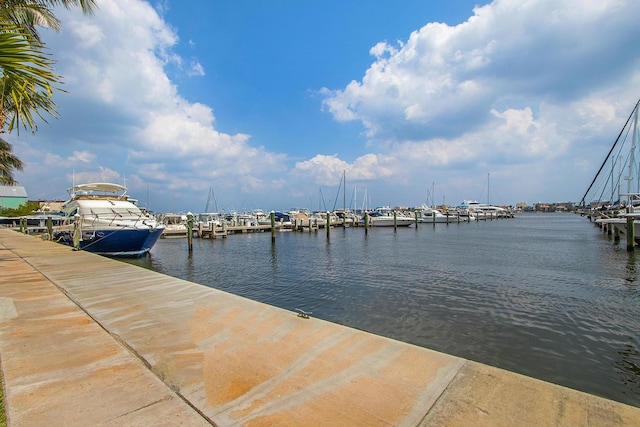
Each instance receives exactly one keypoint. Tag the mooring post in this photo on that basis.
(631, 241)
(366, 223)
(76, 231)
(50, 227)
(273, 227)
(328, 224)
(190, 231)
(433, 215)
(415, 214)
(395, 221)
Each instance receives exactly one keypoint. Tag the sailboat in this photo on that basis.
(623, 216)
(482, 210)
(429, 213)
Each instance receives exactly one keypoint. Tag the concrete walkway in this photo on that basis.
(90, 341)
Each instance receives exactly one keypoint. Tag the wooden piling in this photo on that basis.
(273, 227)
(366, 223)
(50, 227)
(395, 221)
(76, 232)
(328, 226)
(190, 231)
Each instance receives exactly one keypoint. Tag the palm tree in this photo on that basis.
(8, 163)
(27, 79)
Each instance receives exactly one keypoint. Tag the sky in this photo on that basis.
(201, 105)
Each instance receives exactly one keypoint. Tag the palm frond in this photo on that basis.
(27, 81)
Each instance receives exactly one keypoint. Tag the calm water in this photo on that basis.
(545, 295)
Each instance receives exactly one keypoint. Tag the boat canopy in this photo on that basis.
(104, 187)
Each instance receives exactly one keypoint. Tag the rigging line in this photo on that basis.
(335, 202)
(624, 164)
(607, 158)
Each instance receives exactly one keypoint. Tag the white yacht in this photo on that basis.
(100, 218)
(383, 216)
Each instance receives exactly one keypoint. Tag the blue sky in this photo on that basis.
(268, 103)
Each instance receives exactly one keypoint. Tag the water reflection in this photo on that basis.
(542, 295)
(628, 367)
(631, 270)
(274, 258)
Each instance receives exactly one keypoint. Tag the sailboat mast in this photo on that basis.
(582, 201)
(633, 141)
(632, 160)
(344, 191)
(433, 197)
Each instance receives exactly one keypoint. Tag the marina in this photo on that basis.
(612, 199)
(89, 340)
(544, 295)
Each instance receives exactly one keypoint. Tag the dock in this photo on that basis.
(87, 340)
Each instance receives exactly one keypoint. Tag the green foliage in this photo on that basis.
(24, 209)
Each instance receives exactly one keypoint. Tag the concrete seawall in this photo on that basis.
(87, 340)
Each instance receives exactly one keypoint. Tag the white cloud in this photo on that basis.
(518, 83)
(82, 156)
(328, 170)
(196, 69)
(124, 108)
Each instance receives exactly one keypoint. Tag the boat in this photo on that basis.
(623, 216)
(209, 219)
(346, 218)
(175, 225)
(481, 210)
(383, 216)
(100, 218)
(427, 214)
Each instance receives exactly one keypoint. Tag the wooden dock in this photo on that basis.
(88, 340)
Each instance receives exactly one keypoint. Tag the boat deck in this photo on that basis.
(88, 340)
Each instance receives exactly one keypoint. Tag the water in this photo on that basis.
(545, 295)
